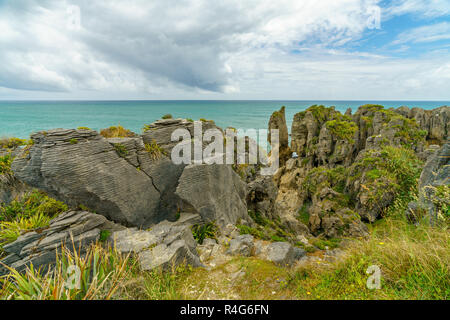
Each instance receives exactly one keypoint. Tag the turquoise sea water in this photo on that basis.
(21, 118)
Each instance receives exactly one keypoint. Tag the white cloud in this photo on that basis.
(421, 8)
(175, 49)
(430, 33)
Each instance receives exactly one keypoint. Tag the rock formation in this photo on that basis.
(342, 174)
(131, 181)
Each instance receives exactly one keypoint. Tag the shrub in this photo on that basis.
(155, 151)
(83, 128)
(73, 141)
(303, 214)
(11, 143)
(117, 132)
(5, 164)
(167, 116)
(344, 130)
(203, 231)
(104, 235)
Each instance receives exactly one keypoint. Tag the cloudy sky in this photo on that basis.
(225, 49)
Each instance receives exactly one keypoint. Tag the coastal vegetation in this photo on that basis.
(33, 211)
(11, 143)
(5, 163)
(154, 150)
(117, 132)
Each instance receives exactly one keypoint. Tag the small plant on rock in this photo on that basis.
(117, 132)
(204, 231)
(121, 150)
(155, 151)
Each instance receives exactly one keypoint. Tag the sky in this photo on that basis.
(225, 49)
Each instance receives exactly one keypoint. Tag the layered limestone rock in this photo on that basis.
(278, 122)
(165, 245)
(214, 191)
(131, 181)
(81, 167)
(323, 136)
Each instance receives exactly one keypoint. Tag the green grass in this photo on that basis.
(33, 211)
(265, 229)
(414, 262)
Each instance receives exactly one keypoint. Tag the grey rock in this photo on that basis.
(215, 192)
(243, 245)
(165, 245)
(168, 256)
(11, 188)
(435, 173)
(119, 179)
(81, 167)
(283, 253)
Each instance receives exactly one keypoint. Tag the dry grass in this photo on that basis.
(117, 132)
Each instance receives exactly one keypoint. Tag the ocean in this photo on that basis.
(21, 118)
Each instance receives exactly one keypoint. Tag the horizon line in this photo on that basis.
(222, 100)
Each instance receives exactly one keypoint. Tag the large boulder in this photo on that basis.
(81, 167)
(132, 180)
(242, 245)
